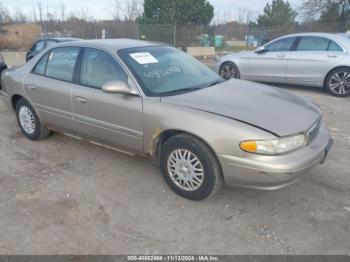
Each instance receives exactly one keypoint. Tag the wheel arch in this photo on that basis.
(14, 100)
(165, 135)
(229, 60)
(16, 97)
(330, 71)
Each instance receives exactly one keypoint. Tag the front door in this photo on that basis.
(111, 119)
(271, 66)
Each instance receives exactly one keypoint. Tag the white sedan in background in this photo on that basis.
(310, 59)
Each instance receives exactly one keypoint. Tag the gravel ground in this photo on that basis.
(64, 196)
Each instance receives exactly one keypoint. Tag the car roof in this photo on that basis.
(61, 39)
(111, 45)
(320, 34)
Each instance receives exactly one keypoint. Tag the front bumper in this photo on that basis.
(275, 172)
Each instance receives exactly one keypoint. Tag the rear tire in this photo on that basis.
(229, 70)
(29, 122)
(338, 82)
(190, 168)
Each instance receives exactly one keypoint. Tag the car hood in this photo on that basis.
(268, 108)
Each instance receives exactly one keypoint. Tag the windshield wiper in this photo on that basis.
(191, 89)
(219, 81)
(180, 91)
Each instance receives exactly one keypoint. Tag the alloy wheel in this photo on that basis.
(185, 170)
(228, 71)
(340, 83)
(27, 120)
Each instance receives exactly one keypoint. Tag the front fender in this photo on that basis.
(223, 135)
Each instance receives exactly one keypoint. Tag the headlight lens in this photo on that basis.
(274, 147)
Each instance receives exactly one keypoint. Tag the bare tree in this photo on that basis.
(47, 13)
(127, 10)
(18, 16)
(62, 9)
(4, 15)
(335, 12)
(226, 17)
(132, 9)
(242, 15)
(249, 16)
(84, 14)
(316, 7)
(116, 10)
(40, 11)
(217, 17)
(35, 19)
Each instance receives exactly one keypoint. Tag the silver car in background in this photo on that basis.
(310, 59)
(154, 100)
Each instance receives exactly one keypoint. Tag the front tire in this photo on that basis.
(29, 122)
(338, 82)
(190, 168)
(229, 70)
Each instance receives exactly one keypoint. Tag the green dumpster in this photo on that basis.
(219, 41)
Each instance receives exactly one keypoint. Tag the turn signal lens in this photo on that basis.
(279, 146)
(249, 146)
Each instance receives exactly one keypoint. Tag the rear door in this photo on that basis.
(49, 87)
(111, 119)
(271, 66)
(312, 59)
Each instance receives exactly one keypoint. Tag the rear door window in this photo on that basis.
(334, 47)
(317, 44)
(61, 63)
(41, 65)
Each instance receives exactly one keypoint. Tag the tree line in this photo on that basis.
(165, 20)
(182, 12)
(334, 13)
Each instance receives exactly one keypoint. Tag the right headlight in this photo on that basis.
(272, 147)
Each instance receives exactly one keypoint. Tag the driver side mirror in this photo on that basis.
(261, 50)
(118, 87)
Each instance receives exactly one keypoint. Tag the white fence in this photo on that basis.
(14, 58)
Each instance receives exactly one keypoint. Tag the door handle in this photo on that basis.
(34, 88)
(281, 56)
(332, 56)
(81, 100)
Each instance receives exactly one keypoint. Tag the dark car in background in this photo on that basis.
(3, 65)
(42, 44)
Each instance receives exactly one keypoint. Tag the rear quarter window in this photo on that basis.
(333, 47)
(41, 65)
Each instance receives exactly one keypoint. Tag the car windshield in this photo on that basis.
(165, 71)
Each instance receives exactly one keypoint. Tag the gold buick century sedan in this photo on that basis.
(154, 100)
